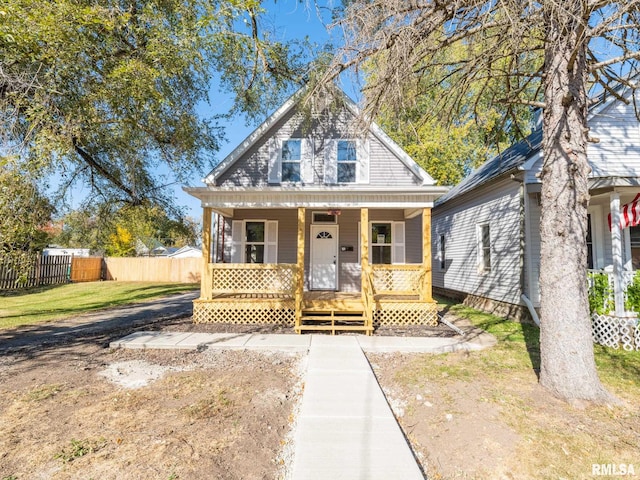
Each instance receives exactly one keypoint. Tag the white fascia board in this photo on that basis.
(251, 140)
(419, 197)
(531, 162)
(386, 140)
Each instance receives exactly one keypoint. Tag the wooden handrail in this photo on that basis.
(368, 295)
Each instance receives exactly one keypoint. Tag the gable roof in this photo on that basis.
(522, 155)
(512, 159)
(292, 102)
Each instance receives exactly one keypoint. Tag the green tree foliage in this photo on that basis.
(24, 212)
(106, 92)
(127, 231)
(546, 54)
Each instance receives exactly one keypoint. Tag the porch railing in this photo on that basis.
(397, 279)
(367, 294)
(236, 278)
(601, 291)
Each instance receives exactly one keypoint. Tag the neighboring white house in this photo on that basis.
(61, 251)
(486, 236)
(186, 252)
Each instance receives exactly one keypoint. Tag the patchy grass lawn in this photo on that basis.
(482, 415)
(62, 301)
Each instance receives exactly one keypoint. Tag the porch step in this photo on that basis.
(333, 320)
(334, 328)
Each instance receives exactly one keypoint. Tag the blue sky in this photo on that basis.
(289, 19)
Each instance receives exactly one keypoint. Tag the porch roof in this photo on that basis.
(218, 198)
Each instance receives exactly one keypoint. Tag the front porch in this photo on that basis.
(275, 293)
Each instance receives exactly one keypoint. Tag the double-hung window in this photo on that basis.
(254, 242)
(347, 161)
(442, 252)
(386, 242)
(291, 160)
(381, 243)
(484, 247)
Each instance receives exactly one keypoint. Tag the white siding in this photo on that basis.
(618, 151)
(533, 249)
(499, 206)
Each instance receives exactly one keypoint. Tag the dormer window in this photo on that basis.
(347, 161)
(291, 158)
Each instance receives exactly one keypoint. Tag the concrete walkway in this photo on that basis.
(285, 342)
(345, 427)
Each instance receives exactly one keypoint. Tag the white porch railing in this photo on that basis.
(608, 329)
(601, 290)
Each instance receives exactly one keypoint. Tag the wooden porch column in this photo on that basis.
(426, 291)
(616, 251)
(205, 278)
(300, 267)
(364, 240)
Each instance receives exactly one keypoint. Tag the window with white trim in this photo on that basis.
(254, 241)
(386, 242)
(347, 161)
(291, 160)
(254, 244)
(589, 240)
(441, 252)
(381, 243)
(484, 247)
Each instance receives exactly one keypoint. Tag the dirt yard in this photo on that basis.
(80, 410)
(90, 412)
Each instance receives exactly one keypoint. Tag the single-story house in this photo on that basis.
(486, 235)
(318, 225)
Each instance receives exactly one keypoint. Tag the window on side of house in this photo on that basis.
(291, 160)
(484, 247)
(589, 243)
(347, 161)
(441, 252)
(634, 236)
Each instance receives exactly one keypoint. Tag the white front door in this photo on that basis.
(324, 257)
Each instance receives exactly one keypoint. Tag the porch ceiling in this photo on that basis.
(328, 197)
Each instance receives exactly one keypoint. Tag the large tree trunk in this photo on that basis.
(568, 367)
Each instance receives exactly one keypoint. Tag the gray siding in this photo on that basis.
(251, 170)
(498, 205)
(349, 236)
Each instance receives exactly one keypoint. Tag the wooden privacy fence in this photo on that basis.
(86, 269)
(153, 269)
(32, 270)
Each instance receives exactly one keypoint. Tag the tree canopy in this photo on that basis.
(547, 54)
(106, 93)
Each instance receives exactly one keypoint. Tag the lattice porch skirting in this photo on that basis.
(400, 314)
(614, 331)
(282, 312)
(245, 312)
